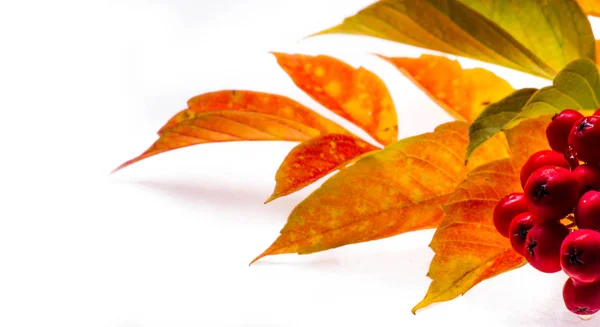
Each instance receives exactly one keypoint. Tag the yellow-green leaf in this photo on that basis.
(398, 189)
(496, 31)
(463, 93)
(577, 87)
(467, 247)
(557, 32)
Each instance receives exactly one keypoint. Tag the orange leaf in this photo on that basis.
(468, 249)
(355, 94)
(467, 246)
(398, 189)
(528, 137)
(315, 158)
(597, 52)
(265, 103)
(224, 126)
(590, 7)
(463, 93)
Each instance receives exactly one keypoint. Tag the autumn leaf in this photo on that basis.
(467, 247)
(226, 126)
(597, 52)
(251, 101)
(399, 189)
(527, 138)
(463, 93)
(590, 7)
(556, 32)
(491, 121)
(315, 158)
(357, 95)
(238, 115)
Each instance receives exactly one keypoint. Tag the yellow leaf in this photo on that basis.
(463, 93)
(398, 189)
(468, 249)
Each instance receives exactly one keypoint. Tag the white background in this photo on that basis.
(85, 86)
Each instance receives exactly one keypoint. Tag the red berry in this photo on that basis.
(518, 229)
(587, 211)
(541, 159)
(571, 157)
(597, 112)
(580, 298)
(506, 209)
(552, 193)
(589, 176)
(584, 138)
(542, 246)
(558, 130)
(580, 256)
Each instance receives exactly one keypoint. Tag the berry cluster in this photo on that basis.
(555, 222)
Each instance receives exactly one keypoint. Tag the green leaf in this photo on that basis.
(535, 36)
(491, 121)
(577, 87)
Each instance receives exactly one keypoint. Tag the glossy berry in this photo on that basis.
(571, 157)
(518, 229)
(587, 211)
(581, 298)
(589, 176)
(542, 246)
(552, 193)
(541, 159)
(580, 256)
(584, 138)
(506, 209)
(597, 112)
(558, 130)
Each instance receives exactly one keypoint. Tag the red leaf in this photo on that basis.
(315, 158)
